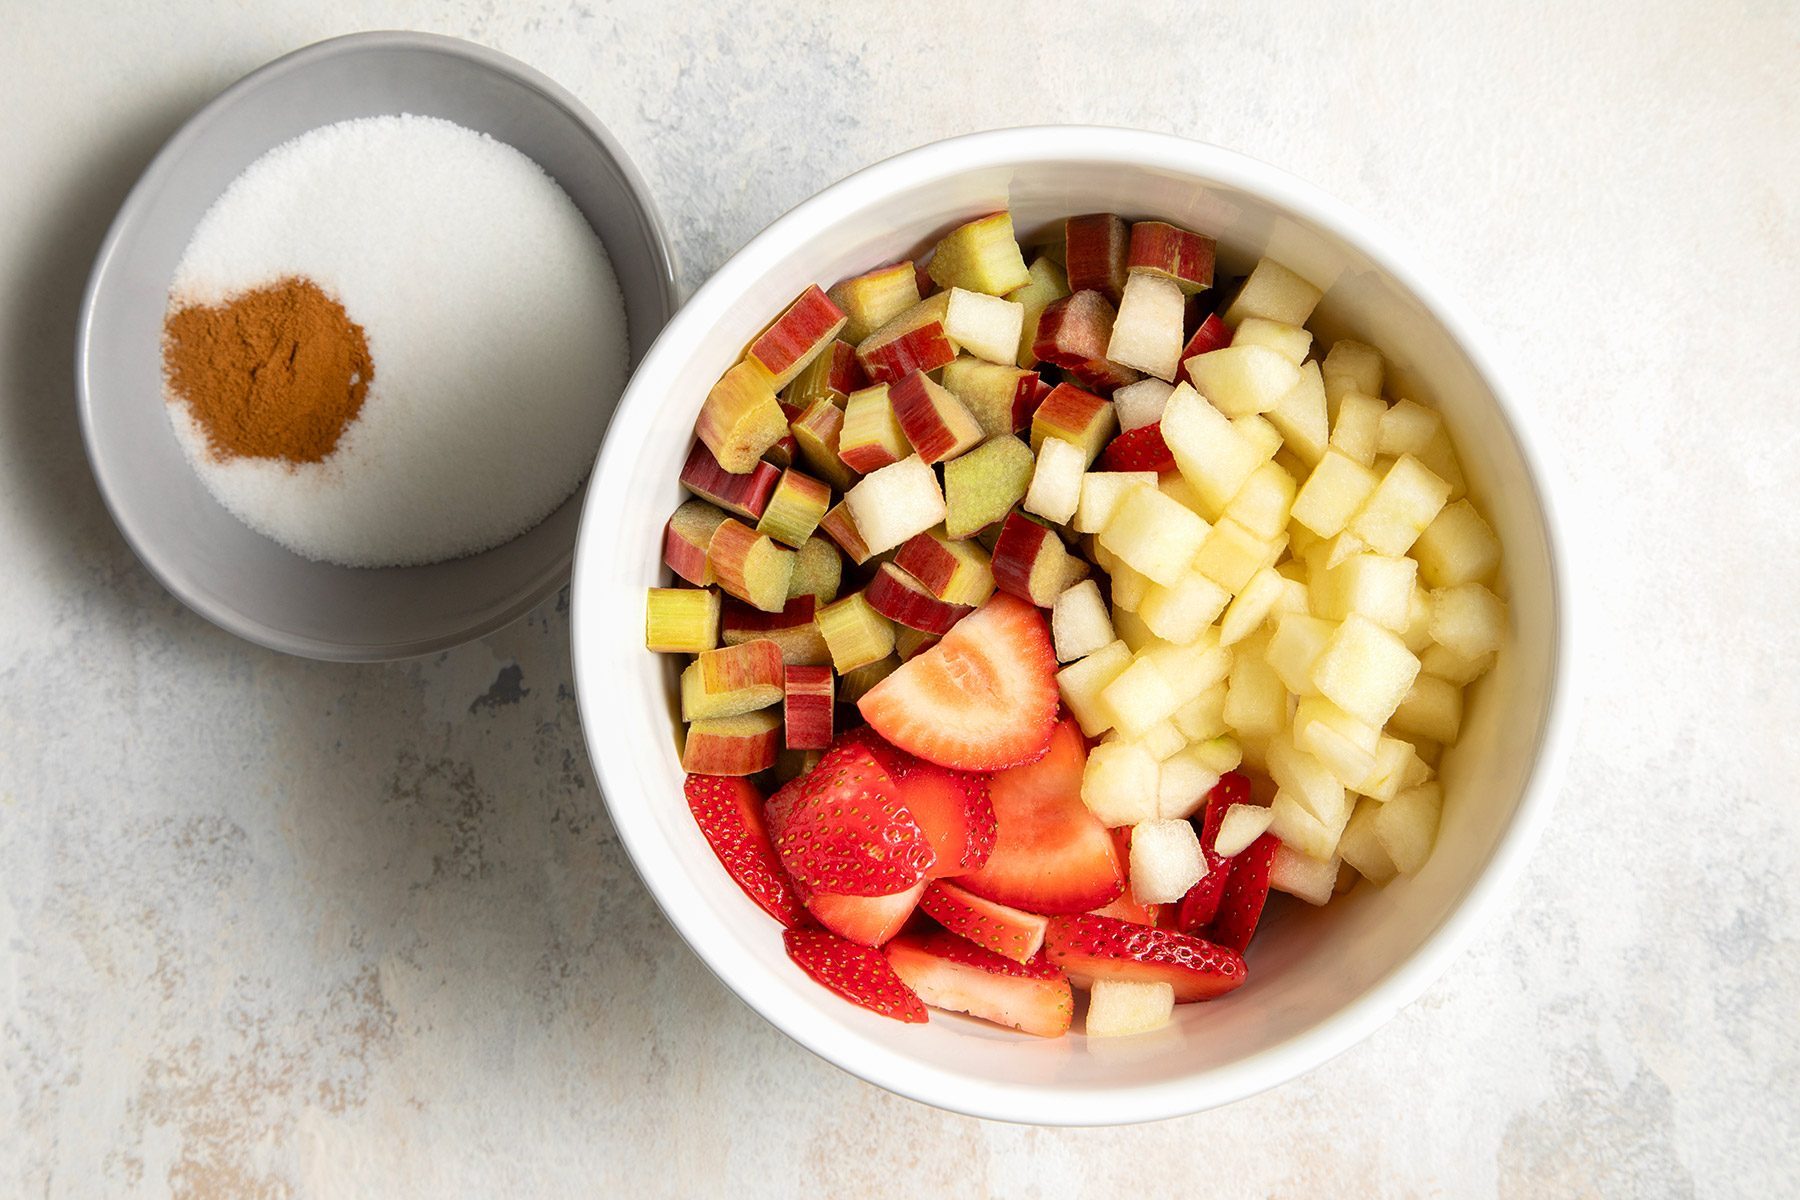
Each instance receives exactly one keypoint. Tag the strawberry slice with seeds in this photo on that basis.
(1007, 931)
(946, 972)
(1127, 908)
(857, 973)
(1087, 947)
(893, 760)
(729, 812)
(1246, 891)
(1201, 903)
(1050, 854)
(1140, 449)
(865, 920)
(956, 813)
(982, 699)
(842, 828)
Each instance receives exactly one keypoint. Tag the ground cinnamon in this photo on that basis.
(278, 372)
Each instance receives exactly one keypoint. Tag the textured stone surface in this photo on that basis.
(271, 927)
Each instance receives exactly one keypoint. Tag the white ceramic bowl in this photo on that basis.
(1319, 979)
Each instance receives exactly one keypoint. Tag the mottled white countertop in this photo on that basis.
(271, 927)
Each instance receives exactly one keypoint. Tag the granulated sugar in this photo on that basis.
(494, 324)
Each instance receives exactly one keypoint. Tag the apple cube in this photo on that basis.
(1126, 1007)
(1161, 740)
(807, 708)
(750, 565)
(1139, 404)
(856, 634)
(1210, 453)
(1439, 457)
(1081, 683)
(1333, 494)
(1302, 416)
(1139, 698)
(990, 391)
(905, 601)
(1468, 619)
(1255, 601)
(1056, 480)
(1457, 547)
(1118, 784)
(731, 680)
(981, 256)
(1096, 250)
(1165, 860)
(1396, 768)
(686, 538)
(682, 620)
(1179, 612)
(818, 433)
(1184, 779)
(840, 526)
(805, 328)
(1378, 586)
(740, 745)
(874, 298)
(1406, 428)
(1407, 826)
(795, 509)
(982, 486)
(916, 340)
(959, 572)
(1046, 285)
(1082, 419)
(1255, 698)
(1128, 586)
(1079, 624)
(1432, 709)
(1262, 505)
(1168, 252)
(1344, 745)
(1074, 330)
(1203, 717)
(1308, 781)
(1153, 534)
(1147, 332)
(1274, 293)
(1101, 492)
(895, 502)
(1447, 664)
(986, 326)
(1357, 427)
(1241, 825)
(1299, 829)
(1230, 555)
(1295, 647)
(1311, 879)
(1192, 668)
(1407, 500)
(1365, 670)
(1289, 341)
(1361, 848)
(1355, 366)
(793, 630)
(932, 418)
(1243, 379)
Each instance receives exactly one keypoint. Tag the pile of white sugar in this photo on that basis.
(493, 320)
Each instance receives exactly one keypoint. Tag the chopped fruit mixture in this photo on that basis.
(1046, 605)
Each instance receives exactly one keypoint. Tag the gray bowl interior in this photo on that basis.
(231, 575)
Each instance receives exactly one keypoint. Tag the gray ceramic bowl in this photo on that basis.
(229, 574)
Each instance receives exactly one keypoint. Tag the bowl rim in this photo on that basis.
(554, 572)
(1054, 1104)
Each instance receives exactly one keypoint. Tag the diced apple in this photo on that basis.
(1358, 426)
(1243, 379)
(1130, 627)
(1081, 683)
(1310, 879)
(1179, 612)
(1301, 831)
(1406, 428)
(684, 620)
(1302, 416)
(1468, 619)
(1230, 555)
(1046, 285)
(806, 327)
(990, 391)
(1457, 547)
(856, 634)
(1079, 624)
(1255, 601)
(1139, 404)
(1171, 253)
(1165, 860)
(1407, 826)
(1127, 1007)
(1274, 293)
(1407, 500)
(740, 745)
(1365, 670)
(1255, 698)
(874, 298)
(1241, 825)
(981, 256)
(793, 630)
(1361, 848)
(807, 708)
(1192, 668)
(1153, 534)
(688, 535)
(795, 509)
(1446, 663)
(957, 572)
(1295, 647)
(986, 326)
(750, 565)
(1333, 494)
(871, 436)
(892, 504)
(1183, 782)
(1129, 587)
(982, 486)
(1210, 453)
(1356, 368)
(1101, 492)
(1118, 784)
(1378, 586)
(1344, 745)
(1262, 506)
(1147, 332)
(1031, 562)
(1161, 740)
(1082, 419)
(1096, 250)
(916, 340)
(1432, 709)
(839, 524)
(1056, 480)
(932, 418)
(1203, 717)
(1307, 780)
(1289, 341)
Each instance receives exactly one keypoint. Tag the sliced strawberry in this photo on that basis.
(1051, 855)
(954, 810)
(1202, 901)
(1140, 449)
(1089, 947)
(729, 812)
(857, 973)
(865, 920)
(893, 760)
(1127, 908)
(982, 699)
(1007, 931)
(1246, 891)
(947, 972)
(842, 828)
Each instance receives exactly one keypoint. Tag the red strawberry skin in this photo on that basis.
(1051, 855)
(1009, 932)
(842, 828)
(1088, 947)
(865, 920)
(729, 812)
(1202, 901)
(1140, 449)
(893, 760)
(857, 973)
(983, 699)
(1246, 891)
(956, 813)
(947, 972)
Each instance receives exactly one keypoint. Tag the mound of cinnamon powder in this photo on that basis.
(278, 372)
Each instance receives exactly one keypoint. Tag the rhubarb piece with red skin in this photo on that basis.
(1028, 399)
(805, 328)
(1031, 562)
(981, 256)
(874, 298)
(933, 419)
(840, 527)
(688, 535)
(807, 707)
(795, 508)
(732, 679)
(1160, 248)
(1082, 419)
(746, 494)
(832, 375)
(960, 572)
(1047, 284)
(741, 418)
(1211, 334)
(1096, 254)
(857, 973)
(1103, 375)
(1075, 330)
(871, 437)
(729, 812)
(792, 629)
(905, 601)
(913, 341)
(911, 642)
(750, 565)
(990, 391)
(816, 434)
(740, 745)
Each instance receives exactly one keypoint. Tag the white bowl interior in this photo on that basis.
(1319, 979)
